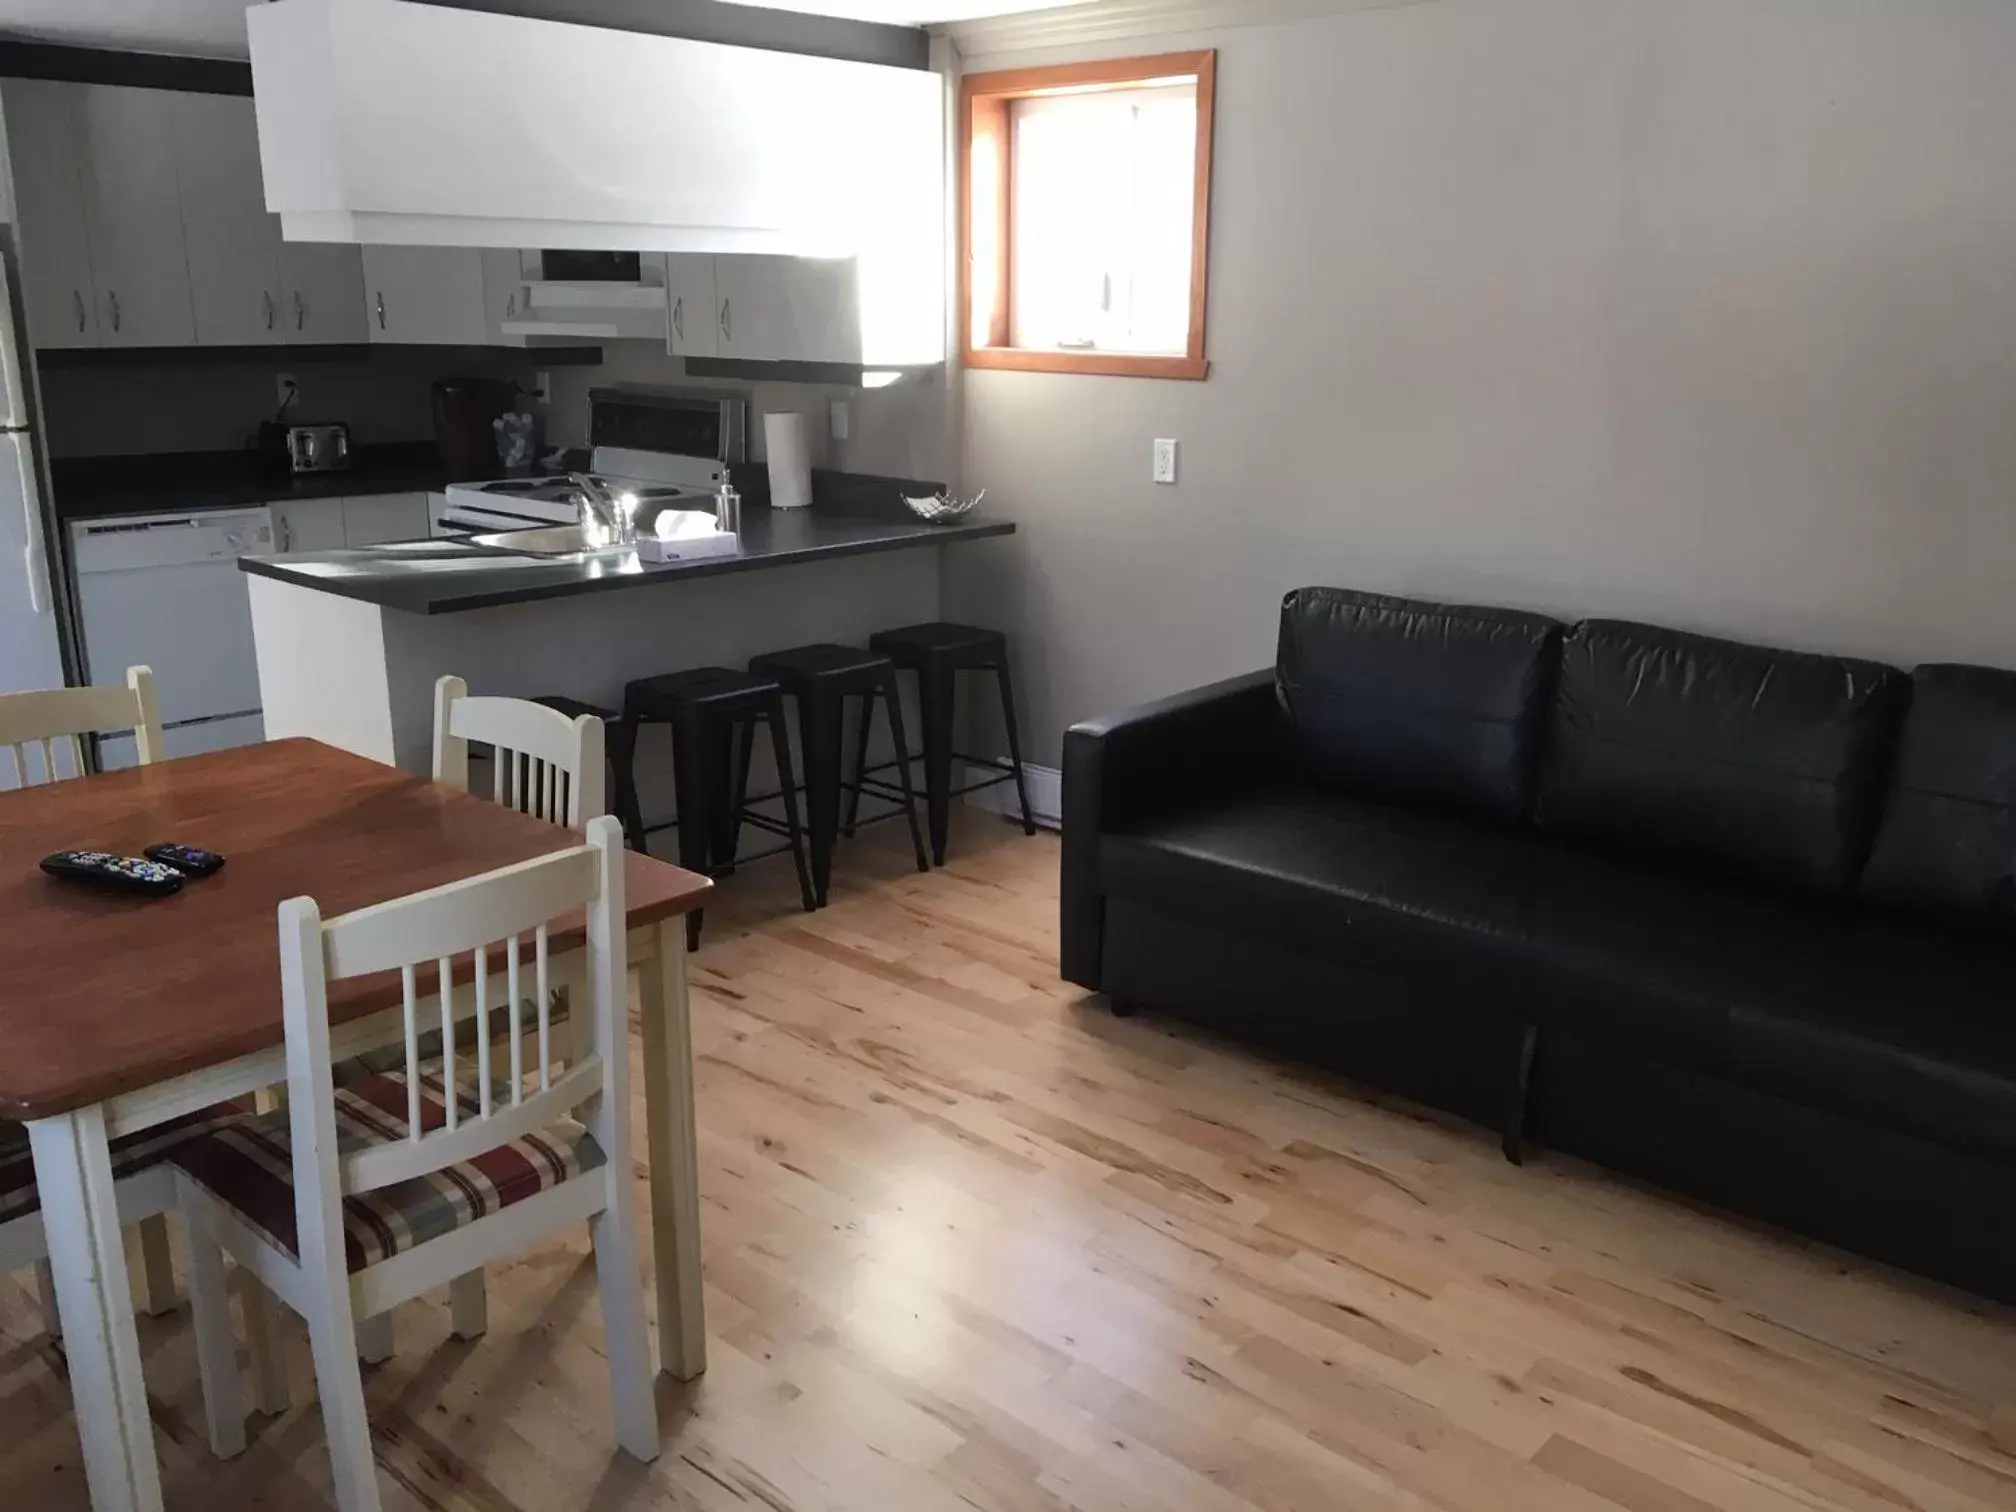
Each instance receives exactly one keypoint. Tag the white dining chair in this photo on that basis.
(39, 726)
(42, 733)
(542, 763)
(357, 1197)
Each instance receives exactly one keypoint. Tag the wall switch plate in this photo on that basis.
(842, 416)
(286, 387)
(1165, 461)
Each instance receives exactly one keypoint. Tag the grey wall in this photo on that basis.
(1701, 313)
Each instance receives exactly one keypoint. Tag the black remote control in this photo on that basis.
(188, 859)
(128, 874)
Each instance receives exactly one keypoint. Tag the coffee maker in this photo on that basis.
(463, 410)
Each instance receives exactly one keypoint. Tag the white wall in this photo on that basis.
(1702, 313)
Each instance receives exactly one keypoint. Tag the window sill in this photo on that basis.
(1103, 364)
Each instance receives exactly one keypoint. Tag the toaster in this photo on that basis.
(304, 448)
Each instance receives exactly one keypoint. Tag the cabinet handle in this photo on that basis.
(679, 318)
(266, 299)
(727, 322)
(112, 295)
(77, 299)
(381, 309)
(300, 312)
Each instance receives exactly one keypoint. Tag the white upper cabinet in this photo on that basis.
(692, 327)
(425, 295)
(787, 309)
(133, 215)
(56, 284)
(507, 278)
(233, 242)
(322, 293)
(385, 121)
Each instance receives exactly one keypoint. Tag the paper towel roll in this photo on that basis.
(790, 460)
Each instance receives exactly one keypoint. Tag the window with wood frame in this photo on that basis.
(1085, 203)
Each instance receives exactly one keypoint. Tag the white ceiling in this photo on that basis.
(202, 28)
(908, 12)
(216, 28)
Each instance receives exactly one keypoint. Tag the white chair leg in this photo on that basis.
(628, 1341)
(269, 1353)
(216, 1348)
(468, 1305)
(45, 1293)
(332, 1337)
(157, 1267)
(374, 1339)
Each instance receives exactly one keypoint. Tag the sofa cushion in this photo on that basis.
(1947, 845)
(1420, 702)
(1329, 875)
(1818, 1001)
(1813, 1000)
(1759, 763)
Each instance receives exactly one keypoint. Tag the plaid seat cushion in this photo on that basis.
(247, 1163)
(131, 1153)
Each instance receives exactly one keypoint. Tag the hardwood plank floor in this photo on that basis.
(974, 1243)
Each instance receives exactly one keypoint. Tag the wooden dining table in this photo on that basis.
(118, 1013)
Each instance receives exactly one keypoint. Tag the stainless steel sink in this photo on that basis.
(550, 541)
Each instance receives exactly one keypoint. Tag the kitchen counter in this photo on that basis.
(90, 488)
(450, 576)
(351, 643)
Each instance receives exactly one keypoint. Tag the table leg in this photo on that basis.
(157, 1268)
(673, 1151)
(80, 1214)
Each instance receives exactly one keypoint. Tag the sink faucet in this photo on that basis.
(613, 513)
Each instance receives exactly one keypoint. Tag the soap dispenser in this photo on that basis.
(728, 506)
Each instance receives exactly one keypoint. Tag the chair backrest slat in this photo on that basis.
(517, 1028)
(541, 763)
(37, 727)
(542, 996)
(451, 1088)
(412, 1052)
(443, 925)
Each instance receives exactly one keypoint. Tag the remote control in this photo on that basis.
(129, 874)
(189, 859)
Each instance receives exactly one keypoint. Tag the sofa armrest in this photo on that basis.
(1124, 767)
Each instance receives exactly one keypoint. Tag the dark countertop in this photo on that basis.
(448, 576)
(88, 488)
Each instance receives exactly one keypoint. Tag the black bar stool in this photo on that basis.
(822, 678)
(620, 747)
(938, 652)
(705, 707)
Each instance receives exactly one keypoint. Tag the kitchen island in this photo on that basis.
(350, 642)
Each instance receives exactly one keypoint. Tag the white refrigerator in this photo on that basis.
(31, 642)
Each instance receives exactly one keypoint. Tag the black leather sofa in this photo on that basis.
(1738, 920)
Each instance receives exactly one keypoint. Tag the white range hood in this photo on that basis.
(387, 122)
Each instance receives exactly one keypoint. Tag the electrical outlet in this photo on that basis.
(842, 417)
(286, 388)
(1165, 461)
(542, 386)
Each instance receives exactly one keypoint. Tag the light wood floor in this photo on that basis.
(973, 1243)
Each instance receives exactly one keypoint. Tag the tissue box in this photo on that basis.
(688, 548)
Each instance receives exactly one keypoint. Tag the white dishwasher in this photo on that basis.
(165, 591)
